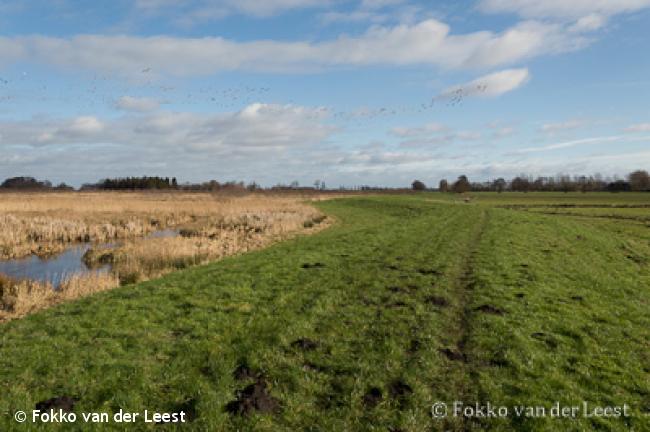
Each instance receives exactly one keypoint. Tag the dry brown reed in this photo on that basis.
(211, 226)
(21, 297)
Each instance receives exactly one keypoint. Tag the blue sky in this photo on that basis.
(373, 92)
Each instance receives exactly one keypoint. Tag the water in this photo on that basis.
(55, 269)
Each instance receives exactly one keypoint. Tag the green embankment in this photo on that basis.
(404, 302)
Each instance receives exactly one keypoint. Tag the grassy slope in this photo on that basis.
(175, 342)
(576, 326)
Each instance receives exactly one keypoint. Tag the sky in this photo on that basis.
(348, 92)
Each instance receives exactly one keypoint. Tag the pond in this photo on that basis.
(52, 269)
(55, 269)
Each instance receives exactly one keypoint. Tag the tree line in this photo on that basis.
(30, 183)
(134, 183)
(638, 180)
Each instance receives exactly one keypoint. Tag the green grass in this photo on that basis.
(542, 307)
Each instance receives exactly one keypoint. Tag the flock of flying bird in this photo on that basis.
(101, 91)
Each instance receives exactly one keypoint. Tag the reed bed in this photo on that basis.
(21, 297)
(45, 223)
(210, 227)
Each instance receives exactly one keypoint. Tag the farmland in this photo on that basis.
(403, 302)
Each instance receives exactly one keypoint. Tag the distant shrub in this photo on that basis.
(25, 183)
(639, 180)
(461, 185)
(417, 185)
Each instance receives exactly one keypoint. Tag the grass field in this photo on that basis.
(404, 302)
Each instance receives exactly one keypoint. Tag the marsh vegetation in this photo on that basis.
(138, 236)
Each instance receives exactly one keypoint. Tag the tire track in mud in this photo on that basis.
(461, 378)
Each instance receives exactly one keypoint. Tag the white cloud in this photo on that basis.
(430, 128)
(130, 103)
(552, 128)
(157, 4)
(10, 51)
(378, 4)
(189, 12)
(641, 127)
(503, 132)
(563, 9)
(378, 12)
(589, 23)
(353, 16)
(258, 127)
(491, 85)
(428, 42)
(42, 132)
(572, 143)
(431, 135)
(468, 135)
(85, 125)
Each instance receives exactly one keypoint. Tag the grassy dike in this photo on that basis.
(403, 303)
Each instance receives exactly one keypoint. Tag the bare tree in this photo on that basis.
(639, 180)
(461, 185)
(500, 184)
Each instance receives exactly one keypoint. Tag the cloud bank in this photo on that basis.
(563, 9)
(429, 42)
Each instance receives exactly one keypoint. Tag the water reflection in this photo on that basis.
(55, 269)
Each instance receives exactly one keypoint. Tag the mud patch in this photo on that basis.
(636, 259)
(188, 407)
(397, 304)
(65, 403)
(451, 354)
(499, 359)
(429, 272)
(414, 347)
(400, 391)
(372, 397)
(305, 344)
(490, 310)
(316, 265)
(254, 398)
(396, 289)
(437, 301)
